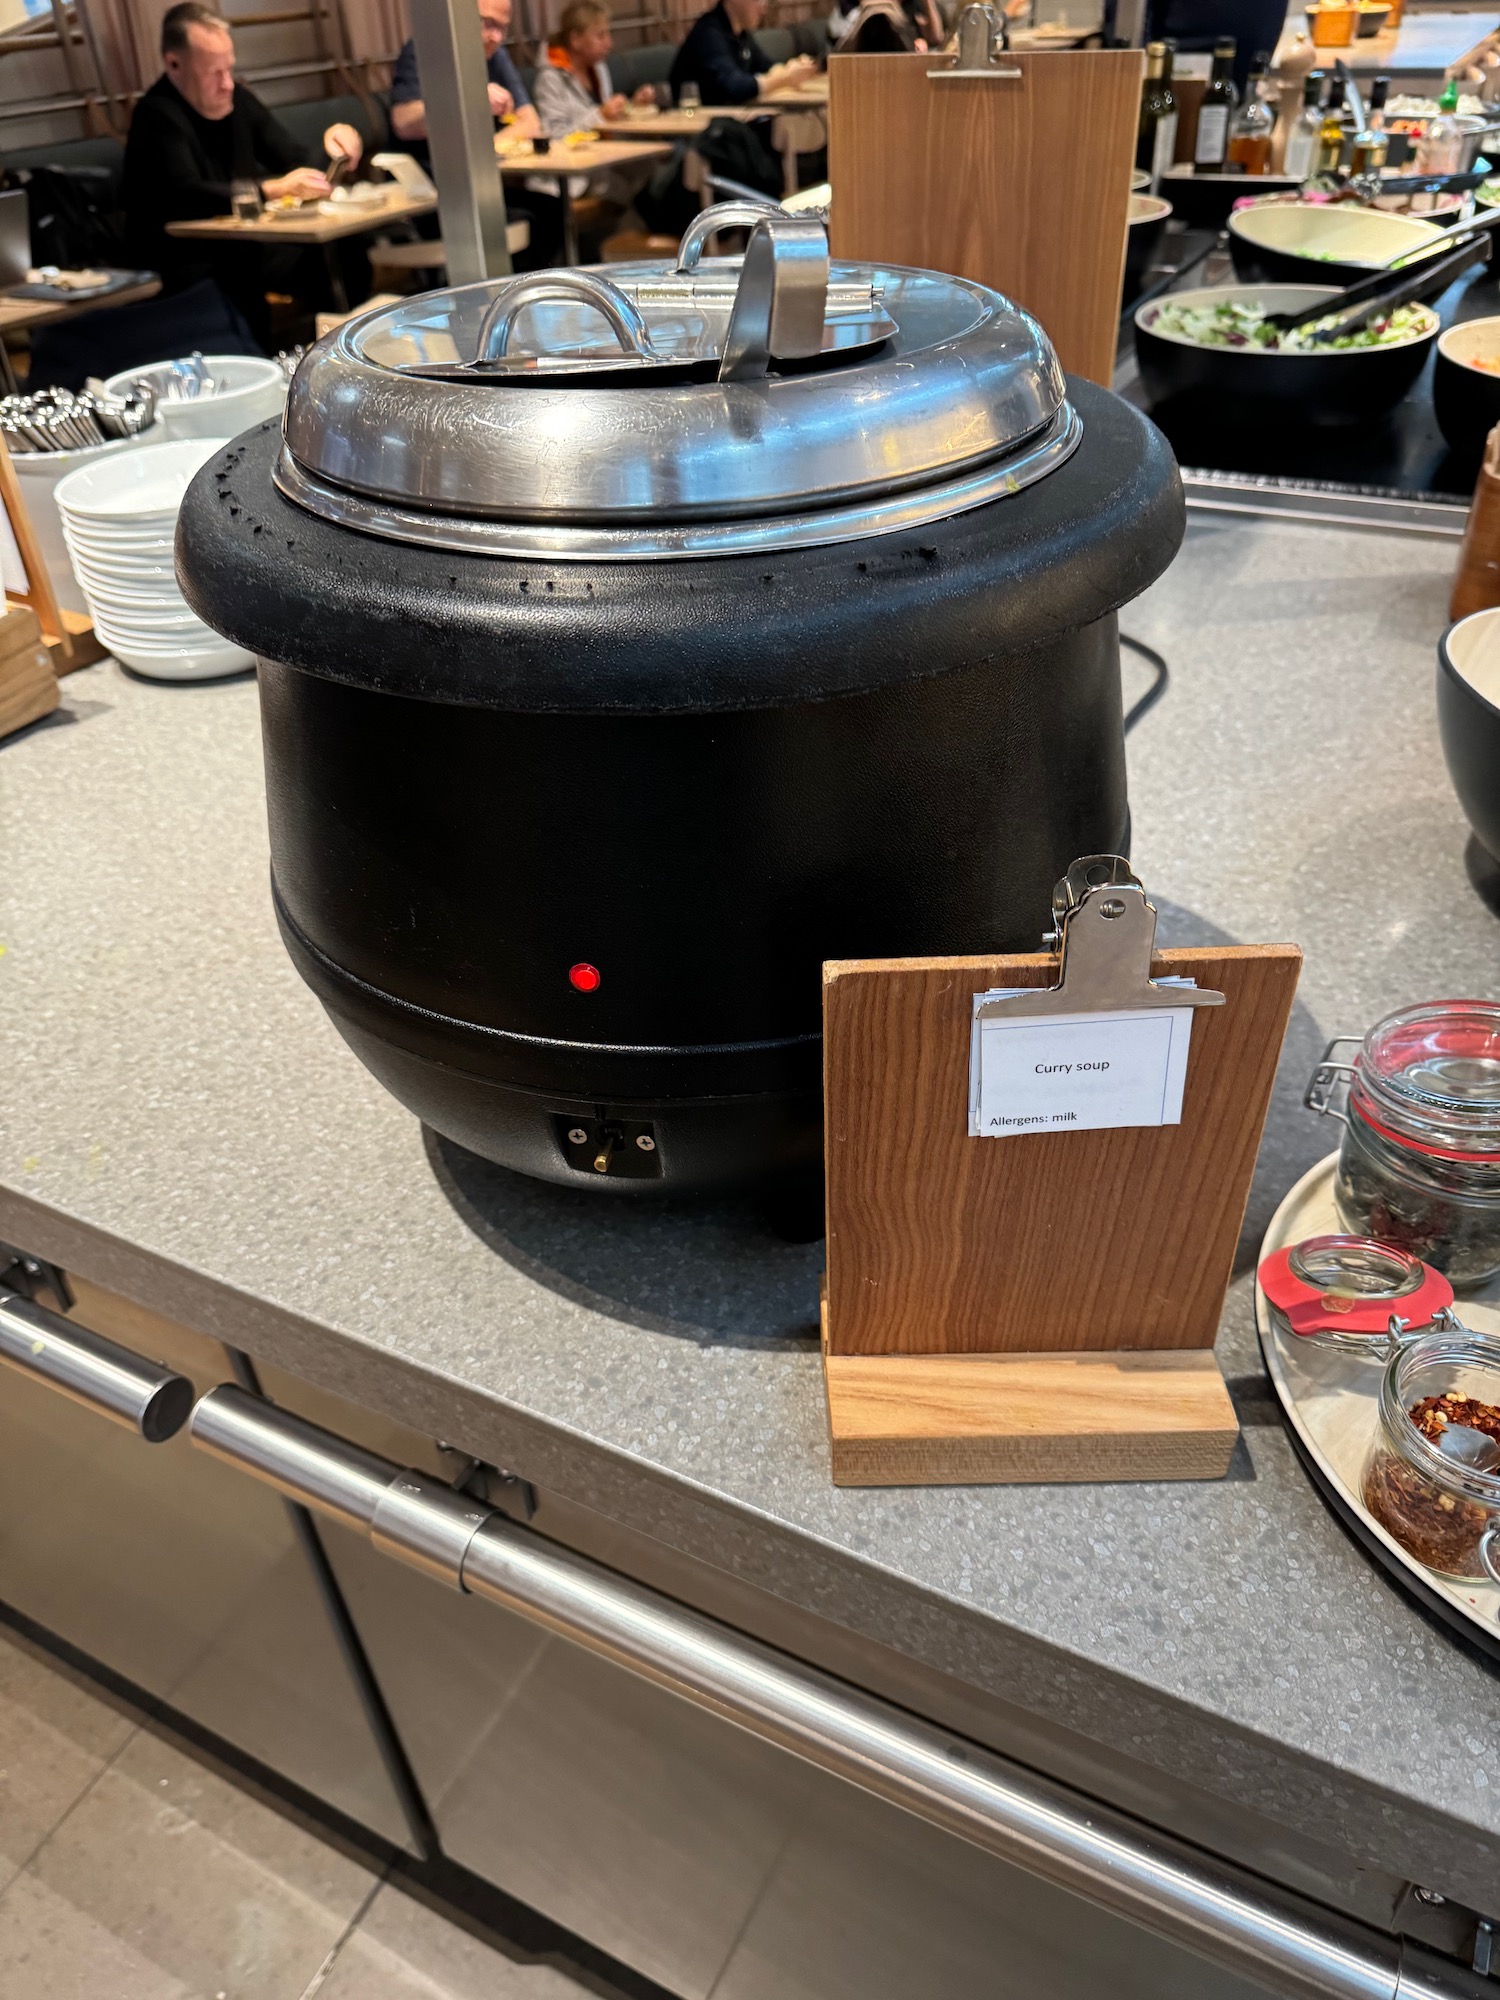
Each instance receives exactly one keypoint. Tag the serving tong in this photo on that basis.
(1411, 279)
(57, 420)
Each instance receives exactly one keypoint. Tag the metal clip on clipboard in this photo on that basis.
(981, 41)
(1105, 935)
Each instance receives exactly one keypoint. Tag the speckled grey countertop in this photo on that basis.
(178, 1119)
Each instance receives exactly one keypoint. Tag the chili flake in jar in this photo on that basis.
(1433, 1476)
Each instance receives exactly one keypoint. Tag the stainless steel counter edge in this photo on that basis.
(1235, 1923)
(1317, 1801)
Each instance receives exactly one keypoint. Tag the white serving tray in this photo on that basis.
(1330, 1399)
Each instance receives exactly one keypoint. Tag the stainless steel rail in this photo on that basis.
(152, 1400)
(1250, 1929)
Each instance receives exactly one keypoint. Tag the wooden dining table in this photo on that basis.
(809, 95)
(674, 123)
(21, 315)
(519, 161)
(312, 226)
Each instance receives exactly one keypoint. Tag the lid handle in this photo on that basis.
(782, 297)
(709, 221)
(565, 287)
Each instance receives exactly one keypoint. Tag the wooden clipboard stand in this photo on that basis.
(1011, 169)
(68, 636)
(1041, 1306)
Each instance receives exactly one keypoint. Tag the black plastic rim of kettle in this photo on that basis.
(604, 638)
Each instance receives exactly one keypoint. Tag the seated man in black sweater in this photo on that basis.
(723, 58)
(194, 133)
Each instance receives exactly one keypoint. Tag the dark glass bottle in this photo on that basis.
(1330, 147)
(1302, 140)
(1156, 136)
(1370, 147)
(1211, 146)
(1252, 126)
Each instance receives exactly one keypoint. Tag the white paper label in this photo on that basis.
(1163, 147)
(1213, 135)
(1077, 1072)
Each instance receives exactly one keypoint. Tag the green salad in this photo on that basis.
(1233, 323)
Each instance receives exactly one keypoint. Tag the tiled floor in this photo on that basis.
(130, 1869)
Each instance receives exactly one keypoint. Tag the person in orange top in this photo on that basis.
(572, 91)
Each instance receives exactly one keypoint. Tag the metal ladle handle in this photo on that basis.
(565, 287)
(709, 221)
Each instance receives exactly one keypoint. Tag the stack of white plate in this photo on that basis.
(120, 520)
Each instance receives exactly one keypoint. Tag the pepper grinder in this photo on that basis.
(1291, 74)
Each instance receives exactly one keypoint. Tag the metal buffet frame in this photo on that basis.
(1324, 501)
(1328, 1397)
(1243, 1924)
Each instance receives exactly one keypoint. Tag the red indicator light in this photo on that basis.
(584, 978)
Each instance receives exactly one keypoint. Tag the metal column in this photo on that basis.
(460, 138)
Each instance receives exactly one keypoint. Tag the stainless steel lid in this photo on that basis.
(731, 404)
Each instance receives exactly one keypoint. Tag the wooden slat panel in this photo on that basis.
(1021, 185)
(28, 687)
(1041, 1242)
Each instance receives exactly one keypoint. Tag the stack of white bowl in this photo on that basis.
(40, 474)
(120, 520)
(239, 390)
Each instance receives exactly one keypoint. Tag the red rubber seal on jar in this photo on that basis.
(1312, 1309)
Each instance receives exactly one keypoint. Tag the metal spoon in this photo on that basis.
(1475, 1451)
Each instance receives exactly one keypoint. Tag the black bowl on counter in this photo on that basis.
(1466, 397)
(1249, 384)
(1203, 201)
(1145, 226)
(1322, 242)
(1468, 705)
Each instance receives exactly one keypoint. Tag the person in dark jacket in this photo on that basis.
(722, 56)
(509, 99)
(1195, 25)
(192, 135)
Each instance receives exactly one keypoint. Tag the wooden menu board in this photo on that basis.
(1043, 1305)
(1020, 182)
